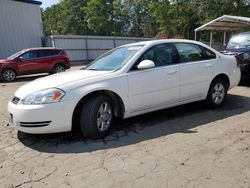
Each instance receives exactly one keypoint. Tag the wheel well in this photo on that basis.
(8, 68)
(119, 108)
(223, 77)
(59, 63)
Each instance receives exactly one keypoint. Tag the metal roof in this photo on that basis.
(226, 23)
(30, 1)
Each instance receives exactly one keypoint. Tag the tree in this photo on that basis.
(144, 18)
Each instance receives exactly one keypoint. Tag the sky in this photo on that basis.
(48, 3)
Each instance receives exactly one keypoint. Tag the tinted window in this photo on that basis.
(45, 53)
(161, 55)
(207, 54)
(29, 55)
(192, 52)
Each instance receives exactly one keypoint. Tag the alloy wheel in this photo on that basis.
(9, 75)
(59, 68)
(218, 93)
(104, 116)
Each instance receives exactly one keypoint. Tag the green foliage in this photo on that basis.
(137, 17)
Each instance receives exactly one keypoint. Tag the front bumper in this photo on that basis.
(41, 119)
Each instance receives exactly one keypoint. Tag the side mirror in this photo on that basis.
(146, 64)
(20, 58)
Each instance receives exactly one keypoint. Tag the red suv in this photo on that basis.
(32, 61)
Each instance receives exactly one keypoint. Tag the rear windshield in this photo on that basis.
(239, 41)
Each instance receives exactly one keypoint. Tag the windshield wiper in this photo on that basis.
(92, 69)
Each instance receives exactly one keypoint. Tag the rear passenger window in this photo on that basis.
(207, 54)
(192, 52)
(46, 53)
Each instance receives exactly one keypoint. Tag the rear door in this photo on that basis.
(27, 62)
(46, 59)
(196, 70)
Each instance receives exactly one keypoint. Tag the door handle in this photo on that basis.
(208, 65)
(172, 71)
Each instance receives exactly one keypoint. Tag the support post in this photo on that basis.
(224, 38)
(211, 38)
(195, 35)
(87, 49)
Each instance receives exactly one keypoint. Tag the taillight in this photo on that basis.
(237, 62)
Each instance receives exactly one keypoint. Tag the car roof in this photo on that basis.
(163, 41)
(42, 48)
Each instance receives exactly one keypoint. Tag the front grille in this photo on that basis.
(15, 100)
(35, 124)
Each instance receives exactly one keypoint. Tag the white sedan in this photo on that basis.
(124, 82)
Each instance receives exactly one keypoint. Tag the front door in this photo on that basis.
(27, 62)
(158, 86)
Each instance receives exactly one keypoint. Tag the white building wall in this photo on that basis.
(20, 26)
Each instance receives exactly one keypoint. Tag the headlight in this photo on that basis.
(44, 97)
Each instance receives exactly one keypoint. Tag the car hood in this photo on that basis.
(58, 80)
(3, 61)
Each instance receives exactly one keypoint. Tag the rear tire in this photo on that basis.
(217, 93)
(97, 117)
(58, 68)
(8, 75)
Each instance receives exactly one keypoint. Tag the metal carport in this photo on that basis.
(225, 24)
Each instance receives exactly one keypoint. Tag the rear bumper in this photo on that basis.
(67, 66)
(235, 78)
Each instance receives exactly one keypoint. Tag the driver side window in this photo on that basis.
(29, 55)
(161, 55)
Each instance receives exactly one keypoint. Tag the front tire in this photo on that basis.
(8, 75)
(97, 117)
(217, 93)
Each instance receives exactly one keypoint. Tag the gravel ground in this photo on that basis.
(186, 146)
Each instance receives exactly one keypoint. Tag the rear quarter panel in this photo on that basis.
(227, 65)
(61, 60)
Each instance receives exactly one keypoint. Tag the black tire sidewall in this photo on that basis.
(89, 117)
(209, 99)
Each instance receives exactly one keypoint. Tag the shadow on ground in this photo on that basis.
(141, 128)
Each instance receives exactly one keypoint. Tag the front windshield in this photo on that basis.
(239, 41)
(114, 59)
(12, 57)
